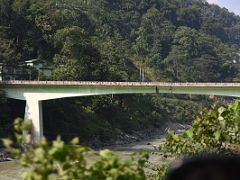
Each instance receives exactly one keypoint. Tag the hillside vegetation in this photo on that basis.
(171, 40)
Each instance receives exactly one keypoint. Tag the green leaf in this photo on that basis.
(7, 142)
(237, 118)
(220, 118)
(19, 138)
(175, 137)
(16, 152)
(221, 110)
(106, 153)
(75, 141)
(189, 133)
(28, 138)
(17, 124)
(26, 125)
(217, 135)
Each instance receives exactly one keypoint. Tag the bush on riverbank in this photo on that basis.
(215, 130)
(212, 131)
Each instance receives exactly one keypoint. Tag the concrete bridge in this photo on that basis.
(34, 92)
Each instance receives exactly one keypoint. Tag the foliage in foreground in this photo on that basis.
(212, 131)
(160, 169)
(57, 160)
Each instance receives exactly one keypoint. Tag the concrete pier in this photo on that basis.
(33, 112)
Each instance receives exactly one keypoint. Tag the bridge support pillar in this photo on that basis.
(33, 112)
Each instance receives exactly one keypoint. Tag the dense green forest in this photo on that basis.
(111, 40)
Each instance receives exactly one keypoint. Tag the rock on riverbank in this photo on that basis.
(5, 155)
(137, 136)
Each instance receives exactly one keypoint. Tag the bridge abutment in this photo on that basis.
(33, 113)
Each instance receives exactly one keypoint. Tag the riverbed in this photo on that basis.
(11, 170)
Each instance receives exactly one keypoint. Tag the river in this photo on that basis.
(11, 170)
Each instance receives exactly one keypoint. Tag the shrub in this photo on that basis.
(57, 160)
(211, 131)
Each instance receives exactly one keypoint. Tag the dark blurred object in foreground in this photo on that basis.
(207, 168)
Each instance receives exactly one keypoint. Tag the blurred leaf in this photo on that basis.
(75, 141)
(7, 142)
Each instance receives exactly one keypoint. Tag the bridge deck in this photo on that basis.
(134, 84)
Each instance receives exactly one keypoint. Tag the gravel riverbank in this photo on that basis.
(143, 137)
(148, 141)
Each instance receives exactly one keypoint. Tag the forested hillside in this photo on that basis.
(111, 40)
